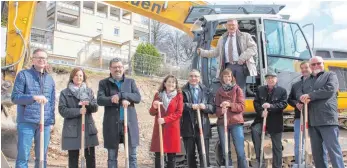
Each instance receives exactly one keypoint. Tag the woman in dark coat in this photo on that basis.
(70, 109)
(171, 111)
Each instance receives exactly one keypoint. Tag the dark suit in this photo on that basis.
(278, 100)
(190, 127)
(112, 125)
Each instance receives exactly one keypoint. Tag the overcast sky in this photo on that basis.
(327, 16)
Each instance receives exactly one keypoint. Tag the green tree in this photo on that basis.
(147, 59)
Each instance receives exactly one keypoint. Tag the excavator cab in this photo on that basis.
(281, 47)
(281, 44)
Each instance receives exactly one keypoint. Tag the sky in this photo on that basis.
(327, 16)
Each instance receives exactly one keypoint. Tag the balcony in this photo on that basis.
(66, 8)
(41, 38)
(141, 28)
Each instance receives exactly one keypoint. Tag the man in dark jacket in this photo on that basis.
(195, 96)
(320, 91)
(116, 93)
(295, 103)
(31, 88)
(274, 99)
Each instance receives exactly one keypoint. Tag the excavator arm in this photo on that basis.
(173, 13)
(20, 18)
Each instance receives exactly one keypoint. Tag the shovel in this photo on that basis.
(226, 147)
(42, 120)
(82, 158)
(306, 133)
(202, 139)
(262, 140)
(161, 139)
(301, 162)
(126, 137)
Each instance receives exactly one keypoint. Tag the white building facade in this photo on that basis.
(89, 32)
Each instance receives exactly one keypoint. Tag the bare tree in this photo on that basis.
(159, 31)
(179, 46)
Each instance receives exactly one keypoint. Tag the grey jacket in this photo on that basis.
(70, 111)
(247, 48)
(322, 89)
(128, 91)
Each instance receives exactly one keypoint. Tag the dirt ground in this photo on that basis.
(147, 87)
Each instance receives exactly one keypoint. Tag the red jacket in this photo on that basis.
(237, 101)
(171, 128)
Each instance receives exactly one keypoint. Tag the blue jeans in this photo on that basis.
(26, 133)
(236, 132)
(329, 135)
(113, 158)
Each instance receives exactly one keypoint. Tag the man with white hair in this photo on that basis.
(320, 91)
(235, 50)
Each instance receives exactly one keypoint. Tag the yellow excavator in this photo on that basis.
(282, 45)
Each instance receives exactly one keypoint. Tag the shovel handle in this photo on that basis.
(263, 139)
(161, 143)
(42, 139)
(306, 131)
(83, 120)
(202, 139)
(226, 147)
(126, 147)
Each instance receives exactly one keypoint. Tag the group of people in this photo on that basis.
(178, 107)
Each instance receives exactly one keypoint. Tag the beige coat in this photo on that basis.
(248, 52)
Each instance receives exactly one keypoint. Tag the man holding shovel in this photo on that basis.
(32, 88)
(197, 99)
(320, 92)
(274, 99)
(117, 93)
(295, 103)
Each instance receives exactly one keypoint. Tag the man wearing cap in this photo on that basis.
(274, 99)
(320, 92)
(235, 50)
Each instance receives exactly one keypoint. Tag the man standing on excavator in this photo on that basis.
(31, 88)
(235, 50)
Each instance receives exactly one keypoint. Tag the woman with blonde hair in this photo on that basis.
(230, 100)
(170, 101)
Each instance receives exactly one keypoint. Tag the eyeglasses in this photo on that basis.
(41, 58)
(117, 67)
(194, 76)
(317, 63)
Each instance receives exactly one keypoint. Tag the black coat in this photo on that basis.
(70, 111)
(189, 123)
(128, 91)
(322, 89)
(292, 98)
(278, 102)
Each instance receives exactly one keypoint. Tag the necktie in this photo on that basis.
(230, 48)
(195, 95)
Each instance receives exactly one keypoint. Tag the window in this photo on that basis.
(342, 76)
(323, 54)
(338, 54)
(285, 39)
(116, 31)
